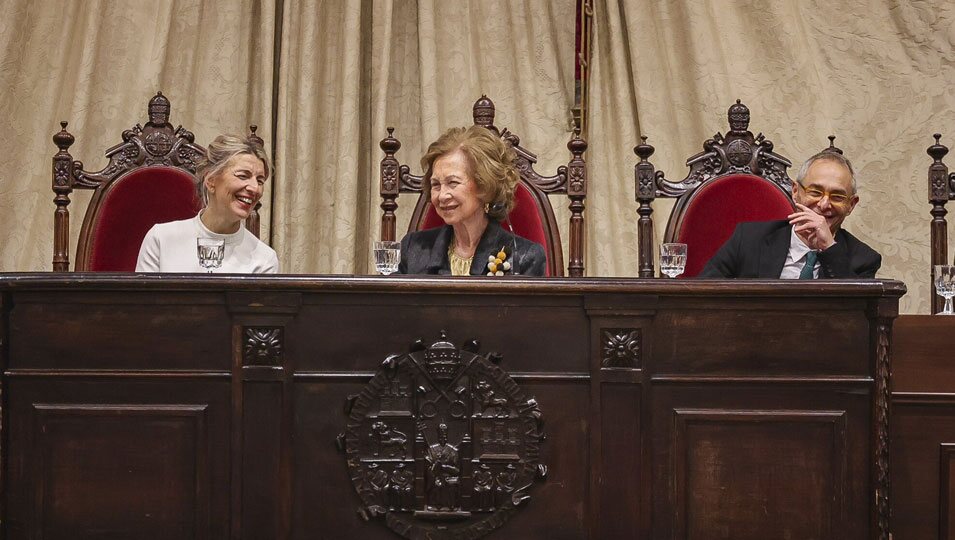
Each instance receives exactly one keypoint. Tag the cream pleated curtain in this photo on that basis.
(95, 63)
(332, 75)
(877, 74)
(417, 67)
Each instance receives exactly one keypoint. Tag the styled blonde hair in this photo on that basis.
(490, 159)
(221, 150)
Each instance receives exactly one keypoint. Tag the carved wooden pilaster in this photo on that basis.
(577, 192)
(262, 411)
(62, 187)
(389, 185)
(881, 417)
(645, 188)
(941, 189)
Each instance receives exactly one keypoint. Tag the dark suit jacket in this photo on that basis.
(759, 249)
(426, 252)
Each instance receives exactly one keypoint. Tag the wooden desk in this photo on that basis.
(176, 407)
(923, 427)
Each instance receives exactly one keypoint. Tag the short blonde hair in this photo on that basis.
(221, 150)
(491, 161)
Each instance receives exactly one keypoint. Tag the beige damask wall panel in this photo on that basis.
(352, 69)
(877, 74)
(96, 63)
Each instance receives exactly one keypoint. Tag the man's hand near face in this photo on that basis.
(811, 227)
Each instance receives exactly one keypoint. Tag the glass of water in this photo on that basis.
(211, 252)
(672, 259)
(387, 257)
(945, 286)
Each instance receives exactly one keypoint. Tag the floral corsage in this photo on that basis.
(498, 265)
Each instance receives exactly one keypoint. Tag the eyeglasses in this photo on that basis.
(815, 195)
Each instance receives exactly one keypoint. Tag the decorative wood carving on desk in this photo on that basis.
(621, 347)
(262, 346)
(442, 443)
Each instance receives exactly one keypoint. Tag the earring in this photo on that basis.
(487, 207)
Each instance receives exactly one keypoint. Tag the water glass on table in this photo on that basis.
(945, 286)
(672, 259)
(387, 256)
(211, 251)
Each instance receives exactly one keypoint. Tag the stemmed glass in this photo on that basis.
(672, 259)
(211, 252)
(945, 286)
(387, 257)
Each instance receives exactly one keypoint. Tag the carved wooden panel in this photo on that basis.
(923, 432)
(749, 474)
(114, 471)
(442, 443)
(946, 481)
(132, 327)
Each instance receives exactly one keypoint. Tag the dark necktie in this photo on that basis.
(806, 272)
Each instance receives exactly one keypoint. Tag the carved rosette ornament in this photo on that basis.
(262, 346)
(442, 443)
(621, 348)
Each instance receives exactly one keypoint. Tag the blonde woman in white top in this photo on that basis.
(231, 182)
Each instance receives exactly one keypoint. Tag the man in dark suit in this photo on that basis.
(811, 243)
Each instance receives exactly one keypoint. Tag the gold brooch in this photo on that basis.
(498, 265)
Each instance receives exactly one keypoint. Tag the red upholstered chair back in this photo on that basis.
(126, 210)
(150, 179)
(712, 212)
(736, 178)
(525, 220)
(532, 217)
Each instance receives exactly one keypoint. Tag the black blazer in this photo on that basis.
(426, 252)
(759, 249)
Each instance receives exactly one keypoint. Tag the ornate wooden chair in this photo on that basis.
(941, 189)
(735, 178)
(532, 217)
(150, 178)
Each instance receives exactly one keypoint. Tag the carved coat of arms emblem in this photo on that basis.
(442, 443)
(739, 152)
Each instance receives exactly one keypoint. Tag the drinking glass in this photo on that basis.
(211, 251)
(387, 256)
(945, 286)
(672, 259)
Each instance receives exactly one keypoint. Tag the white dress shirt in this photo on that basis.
(796, 258)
